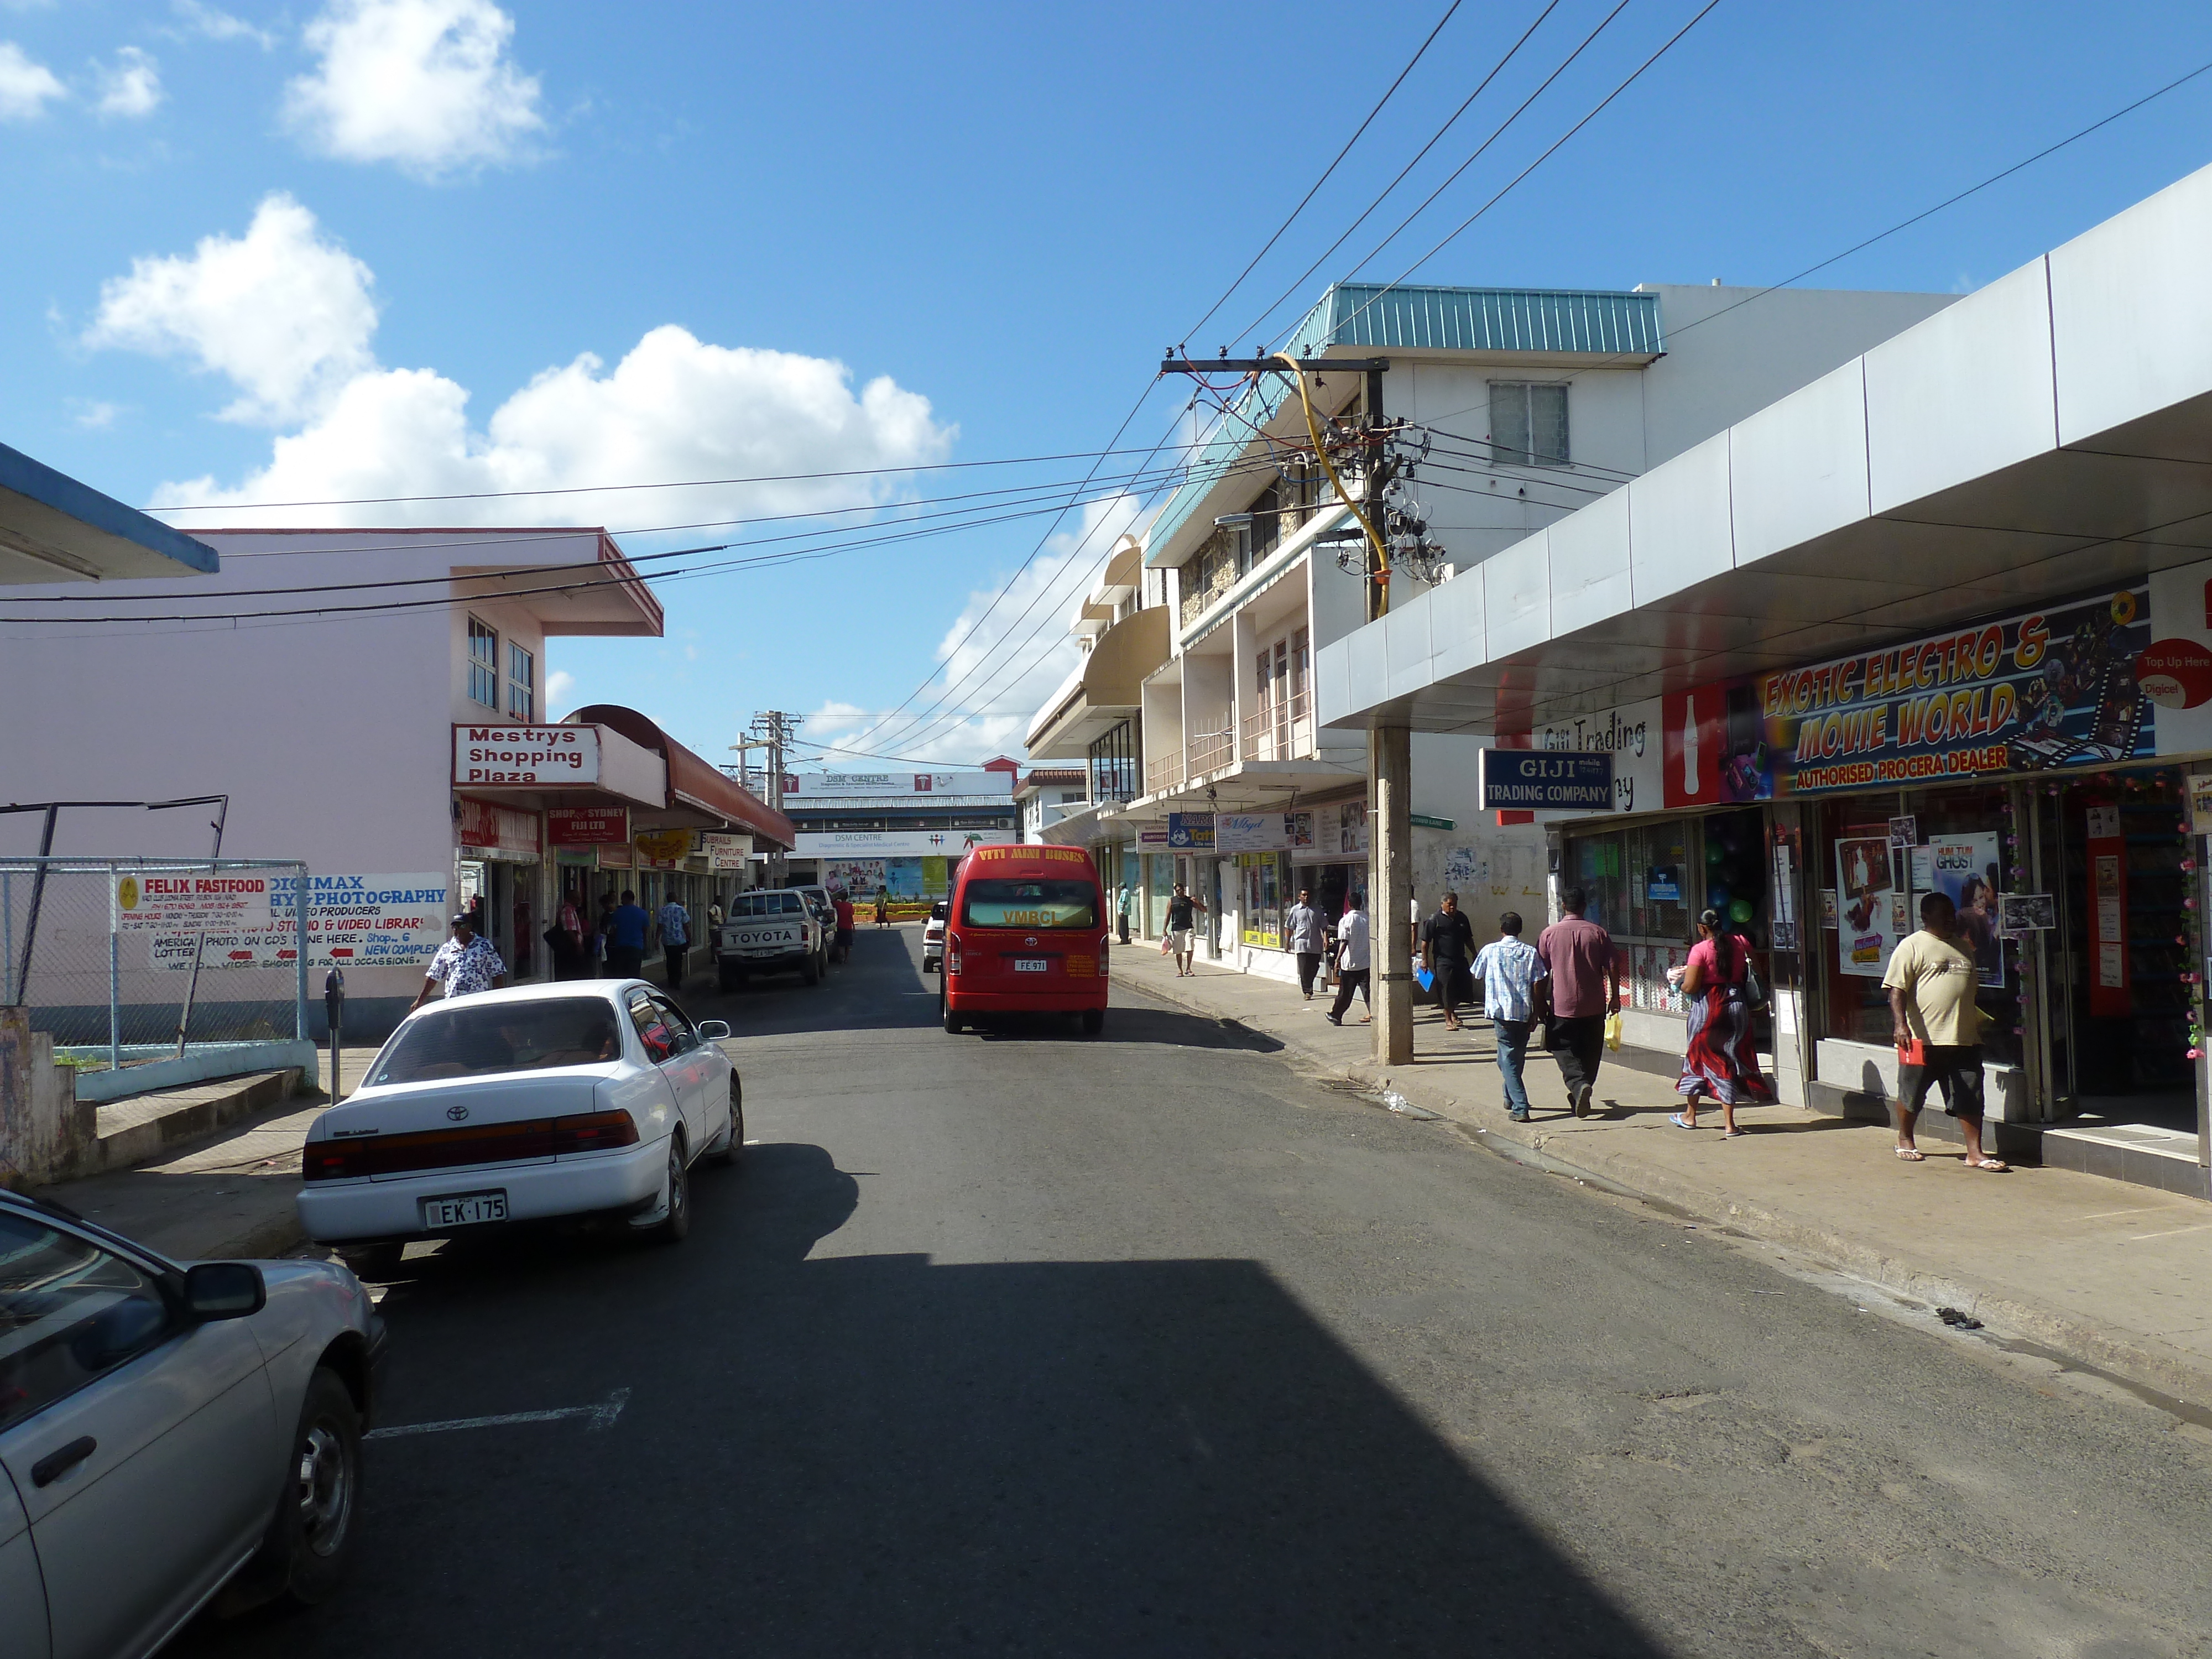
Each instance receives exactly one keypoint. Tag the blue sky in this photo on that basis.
(349, 247)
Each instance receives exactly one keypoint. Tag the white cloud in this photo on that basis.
(1001, 662)
(283, 312)
(25, 87)
(92, 416)
(424, 84)
(558, 686)
(131, 87)
(211, 24)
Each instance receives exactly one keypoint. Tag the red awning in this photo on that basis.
(692, 781)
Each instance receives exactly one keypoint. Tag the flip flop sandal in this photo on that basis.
(1681, 1122)
(1996, 1165)
(1911, 1154)
(1734, 1134)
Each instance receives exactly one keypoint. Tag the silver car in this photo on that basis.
(169, 1433)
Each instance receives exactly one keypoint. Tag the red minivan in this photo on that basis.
(1027, 934)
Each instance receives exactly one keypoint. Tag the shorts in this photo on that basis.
(1958, 1067)
(1179, 941)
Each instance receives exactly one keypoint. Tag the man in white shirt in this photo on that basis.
(1351, 962)
(1302, 922)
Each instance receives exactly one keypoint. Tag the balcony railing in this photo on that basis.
(1164, 772)
(1212, 750)
(1283, 731)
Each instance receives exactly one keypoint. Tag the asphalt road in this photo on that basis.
(1021, 1343)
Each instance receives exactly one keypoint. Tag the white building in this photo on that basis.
(1519, 407)
(372, 702)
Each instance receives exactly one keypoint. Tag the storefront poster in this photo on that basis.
(1870, 893)
(663, 849)
(587, 826)
(1351, 828)
(208, 899)
(1191, 831)
(368, 921)
(1964, 868)
(1250, 832)
(1631, 734)
(2056, 687)
(486, 829)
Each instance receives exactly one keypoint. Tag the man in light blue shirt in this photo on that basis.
(673, 922)
(1509, 969)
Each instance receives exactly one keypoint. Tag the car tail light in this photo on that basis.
(1102, 940)
(487, 1143)
(952, 952)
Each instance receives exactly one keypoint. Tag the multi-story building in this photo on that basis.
(868, 831)
(1048, 794)
(1517, 407)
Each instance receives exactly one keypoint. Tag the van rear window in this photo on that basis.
(1036, 903)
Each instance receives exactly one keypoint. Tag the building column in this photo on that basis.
(1389, 818)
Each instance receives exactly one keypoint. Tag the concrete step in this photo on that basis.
(143, 1128)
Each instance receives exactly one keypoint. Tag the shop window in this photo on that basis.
(521, 683)
(1528, 423)
(483, 664)
(1261, 923)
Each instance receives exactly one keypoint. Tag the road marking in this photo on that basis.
(601, 1416)
(2140, 1237)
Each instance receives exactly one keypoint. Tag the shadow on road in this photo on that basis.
(877, 1454)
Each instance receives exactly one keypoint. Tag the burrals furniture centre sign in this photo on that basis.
(525, 756)
(1544, 780)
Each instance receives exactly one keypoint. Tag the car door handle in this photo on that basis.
(55, 1464)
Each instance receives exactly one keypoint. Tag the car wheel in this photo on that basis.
(372, 1262)
(953, 1023)
(1094, 1020)
(736, 1148)
(322, 1489)
(677, 1221)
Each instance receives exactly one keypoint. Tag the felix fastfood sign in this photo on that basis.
(525, 756)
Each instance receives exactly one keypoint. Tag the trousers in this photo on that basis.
(674, 955)
(1349, 980)
(1579, 1043)
(1512, 1056)
(1309, 965)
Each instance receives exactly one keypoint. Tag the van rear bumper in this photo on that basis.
(1067, 996)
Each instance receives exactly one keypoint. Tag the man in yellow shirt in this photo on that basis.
(1932, 982)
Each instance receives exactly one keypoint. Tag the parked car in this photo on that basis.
(588, 1098)
(772, 930)
(172, 1433)
(933, 937)
(823, 907)
(1027, 934)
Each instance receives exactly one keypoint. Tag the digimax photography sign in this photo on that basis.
(2065, 686)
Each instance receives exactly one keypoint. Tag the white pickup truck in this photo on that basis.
(770, 931)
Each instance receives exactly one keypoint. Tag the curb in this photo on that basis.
(2142, 1359)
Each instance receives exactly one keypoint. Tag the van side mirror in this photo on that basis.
(224, 1290)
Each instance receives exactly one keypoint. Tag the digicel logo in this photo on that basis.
(2175, 673)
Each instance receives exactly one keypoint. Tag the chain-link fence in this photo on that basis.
(127, 961)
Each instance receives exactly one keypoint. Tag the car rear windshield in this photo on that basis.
(1039, 903)
(500, 1036)
(779, 903)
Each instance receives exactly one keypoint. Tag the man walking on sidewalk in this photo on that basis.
(674, 924)
(1183, 923)
(1583, 987)
(1509, 969)
(626, 926)
(1931, 981)
(1351, 962)
(1303, 922)
(1447, 943)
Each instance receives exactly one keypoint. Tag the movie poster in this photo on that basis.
(1965, 869)
(1871, 899)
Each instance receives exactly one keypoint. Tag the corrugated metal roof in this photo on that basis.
(1376, 318)
(1585, 322)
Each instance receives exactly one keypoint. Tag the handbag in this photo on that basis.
(1756, 995)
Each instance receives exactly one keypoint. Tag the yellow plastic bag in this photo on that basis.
(1613, 1030)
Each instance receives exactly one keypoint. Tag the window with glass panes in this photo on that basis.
(483, 664)
(1528, 423)
(521, 683)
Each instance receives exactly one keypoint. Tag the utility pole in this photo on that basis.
(772, 730)
(742, 748)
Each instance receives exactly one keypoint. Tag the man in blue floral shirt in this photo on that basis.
(465, 964)
(1509, 969)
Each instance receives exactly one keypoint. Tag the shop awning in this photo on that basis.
(1103, 691)
(700, 795)
(2044, 437)
(54, 529)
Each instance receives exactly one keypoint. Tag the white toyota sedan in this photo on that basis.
(582, 1099)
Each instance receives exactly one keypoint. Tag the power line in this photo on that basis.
(1325, 172)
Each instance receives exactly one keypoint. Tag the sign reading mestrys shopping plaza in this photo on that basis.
(532, 756)
(2120, 676)
(1544, 780)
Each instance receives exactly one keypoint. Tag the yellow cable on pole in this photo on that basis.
(1313, 430)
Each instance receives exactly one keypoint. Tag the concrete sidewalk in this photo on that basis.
(228, 1194)
(2120, 1276)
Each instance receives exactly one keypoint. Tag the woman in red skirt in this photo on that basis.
(1721, 1061)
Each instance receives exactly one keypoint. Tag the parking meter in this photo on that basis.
(334, 1008)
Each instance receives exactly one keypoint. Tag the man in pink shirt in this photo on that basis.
(1582, 986)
